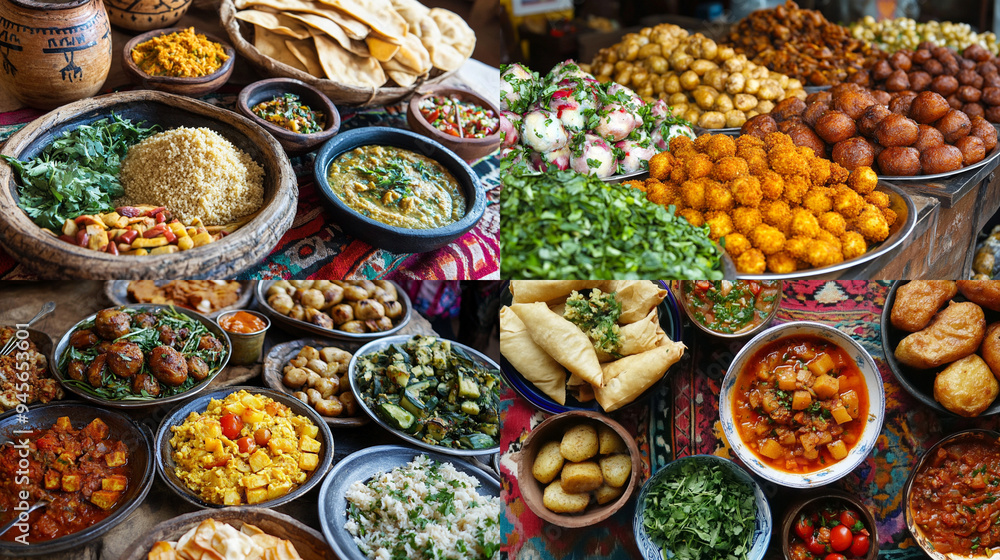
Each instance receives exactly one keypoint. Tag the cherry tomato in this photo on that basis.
(246, 444)
(835, 556)
(804, 528)
(754, 287)
(231, 426)
(262, 436)
(848, 518)
(815, 546)
(860, 545)
(704, 285)
(841, 538)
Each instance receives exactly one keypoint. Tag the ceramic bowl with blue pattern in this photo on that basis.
(762, 510)
(873, 422)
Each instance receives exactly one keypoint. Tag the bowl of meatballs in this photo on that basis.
(358, 310)
(140, 355)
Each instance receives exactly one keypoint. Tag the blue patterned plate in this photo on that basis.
(762, 523)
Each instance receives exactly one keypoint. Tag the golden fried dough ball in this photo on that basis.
(983, 292)
(751, 261)
(847, 203)
(776, 139)
(736, 244)
(757, 164)
(697, 166)
(759, 126)
(719, 224)
(863, 180)
(796, 187)
(872, 224)
(720, 146)
(693, 194)
(746, 218)
(782, 263)
(878, 199)
(966, 387)
(817, 200)
(746, 190)
(693, 216)
(681, 146)
(833, 223)
(804, 223)
(661, 165)
(917, 301)
(637, 184)
(941, 159)
(838, 174)
(729, 168)
(900, 161)
(853, 244)
(787, 161)
(772, 185)
(820, 254)
(776, 213)
(835, 126)
(718, 197)
(820, 171)
(853, 152)
(768, 239)
(796, 247)
(954, 333)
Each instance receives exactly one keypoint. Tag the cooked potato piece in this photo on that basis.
(983, 292)
(918, 301)
(579, 443)
(821, 364)
(616, 469)
(966, 387)
(558, 500)
(954, 333)
(801, 400)
(581, 477)
(838, 449)
(606, 494)
(772, 449)
(610, 441)
(548, 463)
(990, 348)
(840, 414)
(826, 386)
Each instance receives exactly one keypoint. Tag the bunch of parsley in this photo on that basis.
(78, 172)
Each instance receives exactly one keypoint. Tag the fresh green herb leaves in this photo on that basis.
(392, 177)
(598, 317)
(561, 224)
(78, 172)
(701, 513)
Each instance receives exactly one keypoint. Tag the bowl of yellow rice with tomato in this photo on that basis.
(238, 446)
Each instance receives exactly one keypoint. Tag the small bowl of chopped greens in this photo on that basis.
(299, 116)
(702, 506)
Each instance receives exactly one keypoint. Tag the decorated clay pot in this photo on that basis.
(144, 15)
(52, 53)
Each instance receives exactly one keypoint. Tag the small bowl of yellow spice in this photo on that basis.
(178, 60)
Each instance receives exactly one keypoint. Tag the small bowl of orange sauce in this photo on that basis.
(246, 330)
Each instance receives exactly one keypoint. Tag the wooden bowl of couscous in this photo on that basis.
(208, 450)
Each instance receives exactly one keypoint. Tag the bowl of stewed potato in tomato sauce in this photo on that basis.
(802, 404)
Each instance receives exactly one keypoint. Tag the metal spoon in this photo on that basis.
(49, 307)
(12, 522)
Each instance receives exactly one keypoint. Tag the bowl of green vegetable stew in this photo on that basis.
(140, 355)
(434, 393)
(702, 506)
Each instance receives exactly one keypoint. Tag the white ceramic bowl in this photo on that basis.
(873, 424)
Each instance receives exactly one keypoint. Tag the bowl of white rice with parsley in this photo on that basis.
(396, 503)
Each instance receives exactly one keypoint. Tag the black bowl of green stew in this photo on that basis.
(729, 309)
(398, 190)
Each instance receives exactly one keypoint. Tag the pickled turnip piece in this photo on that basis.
(543, 131)
(510, 128)
(634, 153)
(615, 122)
(556, 159)
(518, 87)
(594, 156)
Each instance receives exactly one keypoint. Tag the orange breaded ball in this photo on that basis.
(768, 239)
(819, 171)
(833, 223)
(663, 194)
(796, 246)
(661, 165)
(679, 174)
(772, 185)
(796, 187)
(746, 190)
(751, 261)
(890, 215)
(718, 197)
(804, 223)
(729, 168)
(693, 194)
(820, 254)
(863, 180)
(747, 150)
(719, 224)
(694, 217)
(776, 213)
(853, 245)
(697, 166)
(878, 198)
(736, 244)
(720, 146)
(830, 238)
(838, 174)
(747, 141)
(782, 263)
(787, 161)
(637, 184)
(817, 200)
(745, 219)
(774, 140)
(758, 165)
(847, 203)
(681, 144)
(701, 142)
(871, 224)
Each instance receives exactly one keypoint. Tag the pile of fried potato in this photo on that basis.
(956, 337)
(358, 43)
(705, 83)
(586, 463)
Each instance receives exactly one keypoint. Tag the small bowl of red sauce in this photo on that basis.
(465, 122)
(729, 308)
(953, 497)
(829, 526)
(246, 330)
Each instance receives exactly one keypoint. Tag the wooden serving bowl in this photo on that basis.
(817, 500)
(552, 429)
(308, 542)
(143, 15)
(469, 149)
(52, 258)
(192, 87)
(292, 142)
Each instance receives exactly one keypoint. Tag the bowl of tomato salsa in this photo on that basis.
(831, 525)
(951, 506)
(729, 309)
(802, 404)
(465, 122)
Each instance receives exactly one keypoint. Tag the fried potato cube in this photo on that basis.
(609, 441)
(115, 459)
(581, 477)
(256, 495)
(606, 494)
(840, 414)
(63, 462)
(548, 463)
(801, 400)
(954, 333)
(307, 430)
(826, 386)
(114, 483)
(616, 469)
(579, 443)
(558, 500)
(281, 445)
(96, 430)
(213, 445)
(308, 461)
(63, 423)
(309, 445)
(917, 302)
(105, 499)
(786, 377)
(966, 387)
(252, 481)
(278, 489)
(252, 416)
(236, 408)
(838, 449)
(821, 364)
(232, 498)
(772, 449)
(252, 401)
(259, 460)
(53, 479)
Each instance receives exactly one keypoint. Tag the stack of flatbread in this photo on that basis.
(361, 43)
(558, 357)
(215, 540)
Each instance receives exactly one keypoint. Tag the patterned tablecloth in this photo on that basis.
(683, 419)
(315, 247)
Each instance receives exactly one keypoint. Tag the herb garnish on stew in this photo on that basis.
(598, 317)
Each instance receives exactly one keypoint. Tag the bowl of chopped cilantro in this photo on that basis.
(299, 116)
(702, 506)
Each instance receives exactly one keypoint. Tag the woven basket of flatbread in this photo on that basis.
(357, 52)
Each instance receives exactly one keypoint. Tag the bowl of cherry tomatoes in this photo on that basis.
(829, 526)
